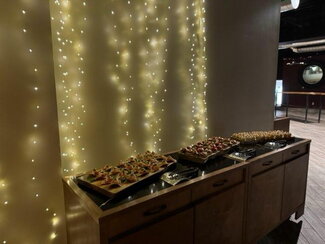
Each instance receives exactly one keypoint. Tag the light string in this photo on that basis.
(70, 73)
(34, 140)
(138, 37)
(192, 68)
(119, 32)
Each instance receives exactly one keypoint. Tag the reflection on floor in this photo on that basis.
(312, 223)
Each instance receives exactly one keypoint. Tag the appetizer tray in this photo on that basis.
(258, 137)
(127, 176)
(206, 150)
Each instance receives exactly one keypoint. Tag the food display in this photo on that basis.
(111, 180)
(202, 151)
(255, 137)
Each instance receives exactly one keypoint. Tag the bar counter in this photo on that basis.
(229, 201)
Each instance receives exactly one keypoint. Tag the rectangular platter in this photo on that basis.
(202, 160)
(126, 188)
(261, 137)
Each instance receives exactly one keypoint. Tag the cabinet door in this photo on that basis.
(264, 203)
(172, 230)
(295, 180)
(220, 218)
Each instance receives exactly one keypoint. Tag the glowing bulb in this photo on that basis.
(55, 221)
(53, 236)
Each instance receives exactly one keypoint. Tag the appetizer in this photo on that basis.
(211, 146)
(254, 137)
(129, 171)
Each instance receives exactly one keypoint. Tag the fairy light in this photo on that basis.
(200, 67)
(70, 73)
(3, 192)
(35, 112)
(153, 68)
(138, 35)
(119, 74)
(192, 33)
(53, 236)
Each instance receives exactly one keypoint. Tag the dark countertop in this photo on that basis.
(157, 184)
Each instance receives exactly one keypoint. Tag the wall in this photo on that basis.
(292, 74)
(242, 38)
(31, 198)
(130, 77)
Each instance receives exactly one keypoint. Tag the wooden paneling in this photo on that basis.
(217, 183)
(148, 211)
(220, 218)
(264, 203)
(173, 230)
(294, 152)
(265, 163)
(295, 180)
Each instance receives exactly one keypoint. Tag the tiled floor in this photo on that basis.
(313, 221)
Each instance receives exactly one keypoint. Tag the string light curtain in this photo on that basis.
(130, 77)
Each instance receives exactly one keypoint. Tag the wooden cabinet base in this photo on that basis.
(219, 219)
(295, 181)
(264, 203)
(174, 230)
(237, 204)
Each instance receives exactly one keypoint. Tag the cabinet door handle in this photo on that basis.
(155, 210)
(220, 183)
(267, 163)
(295, 152)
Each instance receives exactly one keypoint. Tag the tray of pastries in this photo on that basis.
(208, 149)
(255, 137)
(127, 175)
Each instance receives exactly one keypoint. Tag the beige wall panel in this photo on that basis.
(242, 40)
(31, 197)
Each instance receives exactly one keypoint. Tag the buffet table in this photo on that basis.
(307, 94)
(228, 202)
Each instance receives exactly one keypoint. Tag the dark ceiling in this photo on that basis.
(308, 21)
